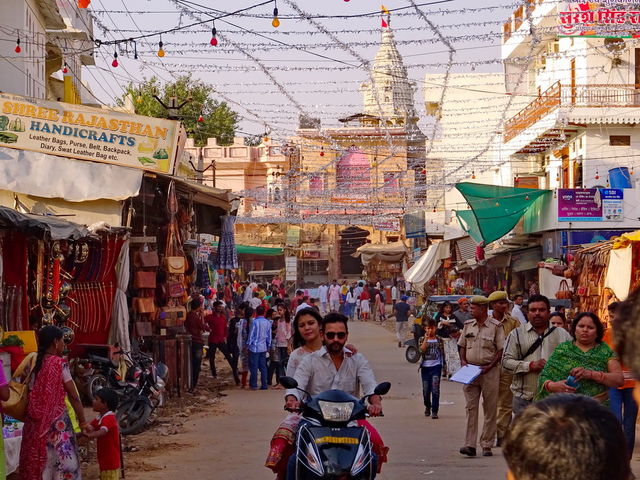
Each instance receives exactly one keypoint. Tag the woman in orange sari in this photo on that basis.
(49, 450)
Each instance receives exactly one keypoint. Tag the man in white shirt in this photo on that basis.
(323, 291)
(255, 301)
(304, 304)
(516, 311)
(334, 296)
(395, 294)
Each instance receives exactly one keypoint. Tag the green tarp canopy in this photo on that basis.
(253, 250)
(494, 210)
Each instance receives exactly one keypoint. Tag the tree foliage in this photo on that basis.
(219, 120)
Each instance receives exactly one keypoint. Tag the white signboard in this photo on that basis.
(291, 268)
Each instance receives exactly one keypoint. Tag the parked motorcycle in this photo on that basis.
(412, 352)
(329, 443)
(139, 403)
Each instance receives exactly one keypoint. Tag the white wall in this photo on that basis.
(600, 156)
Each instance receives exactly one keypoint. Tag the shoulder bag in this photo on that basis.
(16, 405)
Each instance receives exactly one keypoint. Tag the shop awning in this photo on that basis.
(388, 252)
(253, 250)
(50, 176)
(494, 210)
(41, 226)
(214, 197)
(427, 265)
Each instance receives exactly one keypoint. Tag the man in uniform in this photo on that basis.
(481, 344)
(499, 302)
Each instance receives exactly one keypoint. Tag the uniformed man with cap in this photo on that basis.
(481, 344)
(499, 302)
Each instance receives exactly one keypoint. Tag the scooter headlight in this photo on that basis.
(336, 411)
(313, 461)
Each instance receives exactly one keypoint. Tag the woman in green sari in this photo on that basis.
(587, 358)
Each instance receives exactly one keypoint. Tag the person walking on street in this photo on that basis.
(499, 302)
(323, 292)
(334, 297)
(232, 336)
(217, 324)
(527, 349)
(481, 344)
(401, 311)
(258, 344)
(350, 304)
(365, 304)
(195, 326)
(433, 362)
(395, 294)
(517, 311)
(243, 336)
(449, 328)
(463, 314)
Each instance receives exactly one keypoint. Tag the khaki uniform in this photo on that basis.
(481, 344)
(505, 397)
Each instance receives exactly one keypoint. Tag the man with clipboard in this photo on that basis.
(527, 349)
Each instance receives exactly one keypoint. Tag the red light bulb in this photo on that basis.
(65, 69)
(18, 49)
(200, 119)
(322, 152)
(214, 41)
(114, 64)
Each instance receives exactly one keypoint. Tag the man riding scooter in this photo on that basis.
(330, 368)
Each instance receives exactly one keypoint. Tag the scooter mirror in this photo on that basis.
(382, 389)
(288, 382)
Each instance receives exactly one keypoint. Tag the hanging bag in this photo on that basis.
(145, 279)
(175, 265)
(564, 293)
(144, 305)
(16, 405)
(146, 259)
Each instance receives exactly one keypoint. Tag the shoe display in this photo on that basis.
(486, 452)
(468, 451)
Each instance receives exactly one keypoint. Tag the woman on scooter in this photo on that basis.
(307, 338)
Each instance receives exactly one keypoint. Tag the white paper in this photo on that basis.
(466, 374)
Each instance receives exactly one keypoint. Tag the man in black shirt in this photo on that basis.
(401, 310)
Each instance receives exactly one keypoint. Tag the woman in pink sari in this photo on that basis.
(49, 450)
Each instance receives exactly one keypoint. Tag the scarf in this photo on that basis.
(46, 404)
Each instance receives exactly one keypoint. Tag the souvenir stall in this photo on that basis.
(383, 263)
(166, 219)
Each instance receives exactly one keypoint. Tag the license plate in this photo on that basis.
(340, 440)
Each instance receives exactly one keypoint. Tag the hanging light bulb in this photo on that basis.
(114, 64)
(275, 22)
(597, 175)
(322, 151)
(65, 70)
(83, 3)
(18, 49)
(200, 119)
(160, 49)
(423, 171)
(527, 197)
(434, 209)
(631, 172)
(516, 180)
(265, 139)
(473, 175)
(497, 204)
(214, 32)
(139, 99)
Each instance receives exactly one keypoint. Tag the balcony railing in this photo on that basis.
(593, 95)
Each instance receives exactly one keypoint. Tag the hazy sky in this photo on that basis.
(324, 87)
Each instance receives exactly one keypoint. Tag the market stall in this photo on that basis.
(383, 262)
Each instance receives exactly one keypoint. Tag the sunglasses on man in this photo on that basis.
(332, 335)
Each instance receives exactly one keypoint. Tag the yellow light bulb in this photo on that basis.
(275, 22)
(139, 99)
(161, 53)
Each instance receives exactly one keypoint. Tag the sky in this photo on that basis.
(270, 84)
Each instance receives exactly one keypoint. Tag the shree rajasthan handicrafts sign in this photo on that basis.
(87, 133)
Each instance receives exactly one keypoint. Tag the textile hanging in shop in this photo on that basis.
(496, 209)
(120, 314)
(227, 253)
(619, 271)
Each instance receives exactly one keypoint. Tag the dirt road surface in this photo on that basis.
(233, 443)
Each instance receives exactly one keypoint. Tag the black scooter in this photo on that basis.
(329, 444)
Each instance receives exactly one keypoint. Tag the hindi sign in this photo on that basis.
(590, 205)
(88, 133)
(599, 19)
(387, 225)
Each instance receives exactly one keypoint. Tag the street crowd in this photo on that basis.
(535, 367)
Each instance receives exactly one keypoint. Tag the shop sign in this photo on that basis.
(598, 19)
(590, 205)
(87, 133)
(387, 225)
(311, 254)
(291, 268)
(293, 236)
(415, 225)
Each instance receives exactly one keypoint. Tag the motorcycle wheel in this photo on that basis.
(412, 354)
(96, 382)
(133, 415)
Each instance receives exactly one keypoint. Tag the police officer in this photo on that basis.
(499, 302)
(481, 344)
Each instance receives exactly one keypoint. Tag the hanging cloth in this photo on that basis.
(227, 258)
(120, 314)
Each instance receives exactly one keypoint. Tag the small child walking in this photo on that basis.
(105, 429)
(433, 362)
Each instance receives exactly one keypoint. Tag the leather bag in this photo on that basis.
(146, 259)
(175, 265)
(559, 270)
(176, 289)
(564, 293)
(16, 405)
(145, 279)
(144, 305)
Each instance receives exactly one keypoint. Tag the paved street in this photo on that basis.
(234, 446)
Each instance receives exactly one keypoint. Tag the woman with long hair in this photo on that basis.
(49, 450)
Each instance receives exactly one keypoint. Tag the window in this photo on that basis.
(391, 183)
(316, 182)
(620, 140)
